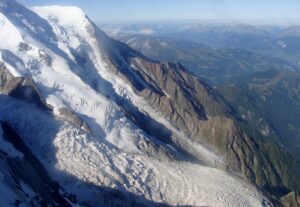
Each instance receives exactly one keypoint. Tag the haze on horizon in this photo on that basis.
(255, 11)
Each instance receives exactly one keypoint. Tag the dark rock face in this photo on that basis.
(74, 119)
(189, 99)
(20, 87)
(198, 110)
(291, 200)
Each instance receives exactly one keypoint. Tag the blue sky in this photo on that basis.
(134, 10)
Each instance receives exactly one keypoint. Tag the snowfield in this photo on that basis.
(117, 154)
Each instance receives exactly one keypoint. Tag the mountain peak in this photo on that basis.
(65, 15)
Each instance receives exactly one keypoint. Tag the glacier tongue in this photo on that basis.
(70, 68)
(92, 160)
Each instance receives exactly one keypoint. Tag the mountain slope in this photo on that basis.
(108, 123)
(24, 181)
(272, 97)
(85, 163)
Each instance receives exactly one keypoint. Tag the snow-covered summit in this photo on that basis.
(64, 15)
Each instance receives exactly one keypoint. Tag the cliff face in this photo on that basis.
(20, 87)
(198, 110)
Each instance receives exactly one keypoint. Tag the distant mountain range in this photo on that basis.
(273, 41)
(216, 65)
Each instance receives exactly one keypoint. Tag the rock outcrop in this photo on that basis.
(20, 87)
(291, 200)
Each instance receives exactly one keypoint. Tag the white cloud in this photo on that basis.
(146, 31)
